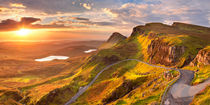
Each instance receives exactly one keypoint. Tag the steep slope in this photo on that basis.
(116, 37)
(202, 58)
(168, 45)
(169, 49)
(113, 39)
(132, 82)
(202, 98)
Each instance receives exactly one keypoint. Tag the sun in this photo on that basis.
(23, 32)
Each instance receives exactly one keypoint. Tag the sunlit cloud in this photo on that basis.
(17, 5)
(109, 12)
(8, 25)
(87, 6)
(105, 16)
(163, 11)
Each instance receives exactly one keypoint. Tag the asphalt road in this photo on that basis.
(181, 92)
(185, 79)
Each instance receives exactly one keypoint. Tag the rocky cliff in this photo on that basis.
(162, 53)
(174, 45)
(203, 57)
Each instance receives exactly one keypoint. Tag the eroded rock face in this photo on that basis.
(203, 57)
(162, 53)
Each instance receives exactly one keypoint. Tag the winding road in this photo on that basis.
(176, 92)
(181, 93)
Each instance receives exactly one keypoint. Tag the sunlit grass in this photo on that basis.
(24, 79)
(110, 80)
(202, 98)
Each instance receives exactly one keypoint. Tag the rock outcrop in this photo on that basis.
(165, 48)
(162, 53)
(203, 57)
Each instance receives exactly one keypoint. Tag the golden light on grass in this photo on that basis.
(23, 32)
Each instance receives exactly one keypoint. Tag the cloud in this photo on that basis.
(63, 6)
(79, 18)
(73, 18)
(166, 11)
(81, 21)
(29, 20)
(17, 5)
(98, 23)
(10, 25)
(10, 11)
(115, 14)
(62, 22)
(87, 6)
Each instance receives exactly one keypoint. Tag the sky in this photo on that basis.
(94, 19)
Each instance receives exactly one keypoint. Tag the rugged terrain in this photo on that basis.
(123, 81)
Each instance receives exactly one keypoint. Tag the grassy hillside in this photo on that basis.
(110, 86)
(203, 98)
(132, 82)
(129, 82)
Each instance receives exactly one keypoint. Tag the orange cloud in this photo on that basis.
(87, 6)
(17, 5)
(10, 25)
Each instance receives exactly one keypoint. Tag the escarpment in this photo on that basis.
(162, 53)
(203, 57)
(174, 45)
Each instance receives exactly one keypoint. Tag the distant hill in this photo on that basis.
(113, 39)
(116, 37)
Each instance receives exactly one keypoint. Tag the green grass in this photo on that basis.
(24, 79)
(117, 71)
(192, 44)
(111, 82)
(46, 82)
(147, 100)
(202, 75)
(121, 102)
(202, 98)
(192, 28)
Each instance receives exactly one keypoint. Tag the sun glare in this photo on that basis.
(23, 32)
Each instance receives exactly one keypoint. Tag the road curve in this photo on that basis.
(181, 93)
(81, 91)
